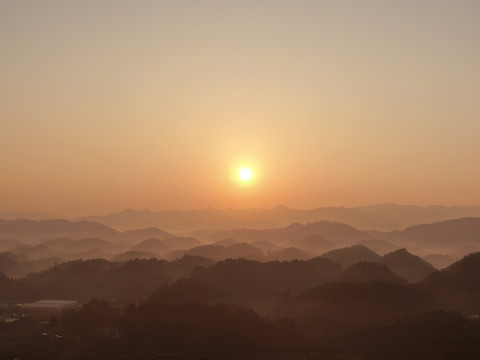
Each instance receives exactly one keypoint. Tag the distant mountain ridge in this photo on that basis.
(12, 215)
(66, 232)
(408, 266)
(384, 217)
(401, 262)
(446, 235)
(36, 231)
(332, 231)
(352, 255)
(454, 238)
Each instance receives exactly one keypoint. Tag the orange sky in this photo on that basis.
(106, 105)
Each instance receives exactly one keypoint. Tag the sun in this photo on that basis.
(245, 174)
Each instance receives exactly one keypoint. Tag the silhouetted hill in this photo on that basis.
(458, 286)
(369, 272)
(214, 252)
(93, 243)
(432, 336)
(8, 265)
(177, 254)
(346, 306)
(121, 282)
(242, 277)
(152, 245)
(138, 235)
(177, 220)
(245, 251)
(37, 231)
(197, 325)
(289, 254)
(35, 252)
(186, 291)
(14, 265)
(451, 234)
(73, 237)
(336, 232)
(226, 242)
(67, 248)
(60, 244)
(90, 254)
(265, 246)
(7, 244)
(235, 251)
(83, 249)
(352, 255)
(182, 267)
(132, 255)
(380, 246)
(408, 266)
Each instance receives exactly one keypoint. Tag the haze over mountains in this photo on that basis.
(297, 283)
(440, 243)
(222, 180)
(30, 245)
(384, 217)
(11, 215)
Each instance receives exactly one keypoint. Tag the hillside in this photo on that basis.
(235, 251)
(137, 235)
(458, 286)
(289, 254)
(369, 272)
(380, 246)
(121, 282)
(347, 306)
(71, 236)
(133, 255)
(13, 265)
(352, 255)
(247, 278)
(408, 266)
(37, 231)
(266, 246)
(152, 245)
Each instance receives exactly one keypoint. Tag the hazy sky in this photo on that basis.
(106, 105)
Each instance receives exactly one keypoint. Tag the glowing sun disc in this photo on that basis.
(245, 174)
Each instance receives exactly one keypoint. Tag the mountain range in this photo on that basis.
(441, 243)
(384, 217)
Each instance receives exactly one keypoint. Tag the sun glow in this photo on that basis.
(245, 174)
